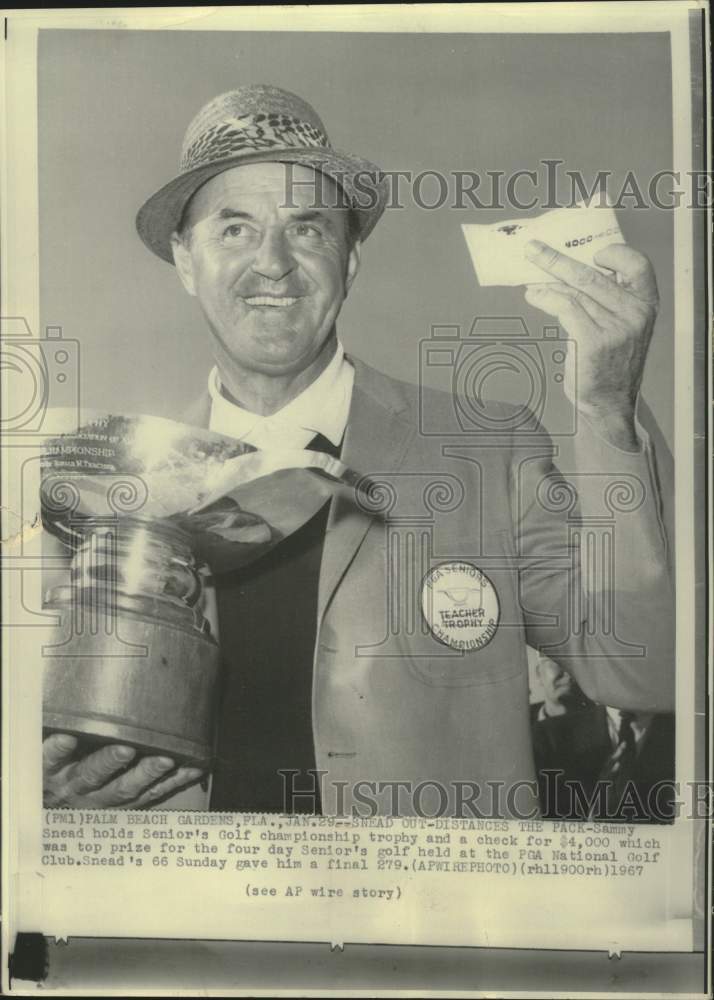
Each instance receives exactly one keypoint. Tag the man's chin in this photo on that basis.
(286, 361)
(270, 347)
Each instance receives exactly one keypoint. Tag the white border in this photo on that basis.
(21, 290)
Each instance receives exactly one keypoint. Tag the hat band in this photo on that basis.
(249, 132)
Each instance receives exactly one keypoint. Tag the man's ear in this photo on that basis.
(184, 263)
(353, 262)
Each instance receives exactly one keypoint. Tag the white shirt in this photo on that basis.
(321, 408)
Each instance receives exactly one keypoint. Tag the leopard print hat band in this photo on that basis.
(253, 124)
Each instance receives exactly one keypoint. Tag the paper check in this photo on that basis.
(497, 251)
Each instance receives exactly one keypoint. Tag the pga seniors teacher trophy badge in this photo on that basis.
(460, 606)
(144, 504)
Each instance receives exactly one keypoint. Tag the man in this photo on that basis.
(264, 225)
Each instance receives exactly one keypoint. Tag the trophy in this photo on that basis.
(148, 507)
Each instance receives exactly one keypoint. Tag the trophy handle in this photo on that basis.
(193, 595)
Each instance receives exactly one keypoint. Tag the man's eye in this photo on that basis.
(306, 229)
(235, 229)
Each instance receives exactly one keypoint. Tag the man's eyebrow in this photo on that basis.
(305, 215)
(233, 213)
(311, 215)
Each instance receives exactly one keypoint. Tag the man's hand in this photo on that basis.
(103, 778)
(611, 319)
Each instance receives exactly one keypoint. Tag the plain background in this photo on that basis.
(113, 107)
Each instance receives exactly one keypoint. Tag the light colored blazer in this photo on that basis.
(393, 704)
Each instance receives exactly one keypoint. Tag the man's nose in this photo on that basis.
(273, 258)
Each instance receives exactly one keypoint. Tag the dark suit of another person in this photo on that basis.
(579, 744)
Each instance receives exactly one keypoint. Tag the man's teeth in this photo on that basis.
(281, 301)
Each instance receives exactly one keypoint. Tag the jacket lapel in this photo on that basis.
(376, 441)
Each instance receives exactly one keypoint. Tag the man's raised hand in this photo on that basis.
(610, 318)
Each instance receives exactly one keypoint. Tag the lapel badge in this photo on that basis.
(460, 605)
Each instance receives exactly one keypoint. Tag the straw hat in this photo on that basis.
(254, 124)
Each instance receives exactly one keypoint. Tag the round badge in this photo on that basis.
(460, 605)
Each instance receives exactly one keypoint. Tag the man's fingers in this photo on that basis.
(127, 787)
(561, 305)
(57, 751)
(95, 770)
(580, 276)
(597, 313)
(162, 789)
(633, 268)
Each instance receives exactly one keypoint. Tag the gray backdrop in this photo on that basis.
(113, 106)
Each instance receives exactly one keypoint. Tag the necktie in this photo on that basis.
(627, 732)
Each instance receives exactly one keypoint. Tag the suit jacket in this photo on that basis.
(575, 748)
(391, 703)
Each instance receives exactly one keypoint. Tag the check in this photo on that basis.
(498, 250)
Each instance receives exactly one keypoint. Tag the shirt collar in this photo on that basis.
(321, 408)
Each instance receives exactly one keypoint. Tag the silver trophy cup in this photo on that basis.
(148, 509)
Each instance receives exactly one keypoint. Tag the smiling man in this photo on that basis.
(323, 670)
(270, 279)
